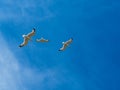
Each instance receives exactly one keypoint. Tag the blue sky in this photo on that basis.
(91, 62)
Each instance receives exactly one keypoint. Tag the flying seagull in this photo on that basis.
(66, 44)
(42, 40)
(27, 38)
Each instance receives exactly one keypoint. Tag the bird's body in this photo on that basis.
(66, 44)
(42, 40)
(27, 38)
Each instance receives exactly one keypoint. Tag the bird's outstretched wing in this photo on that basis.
(31, 33)
(25, 42)
(69, 41)
(63, 47)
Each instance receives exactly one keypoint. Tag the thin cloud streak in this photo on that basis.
(9, 75)
(15, 76)
(25, 10)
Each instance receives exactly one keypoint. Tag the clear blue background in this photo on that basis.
(91, 62)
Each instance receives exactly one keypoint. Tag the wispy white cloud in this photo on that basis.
(25, 10)
(15, 76)
(9, 69)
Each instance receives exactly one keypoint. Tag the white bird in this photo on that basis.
(27, 38)
(66, 44)
(42, 40)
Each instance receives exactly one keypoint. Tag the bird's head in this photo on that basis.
(63, 42)
(24, 36)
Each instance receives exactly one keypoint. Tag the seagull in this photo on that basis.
(42, 40)
(66, 44)
(27, 38)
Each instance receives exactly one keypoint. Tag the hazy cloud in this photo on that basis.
(25, 9)
(15, 76)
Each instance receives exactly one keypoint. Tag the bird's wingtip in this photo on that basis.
(34, 29)
(59, 50)
(20, 46)
(72, 38)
